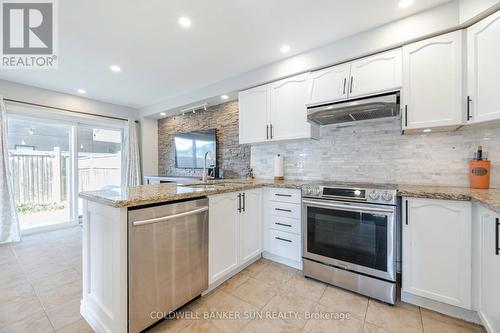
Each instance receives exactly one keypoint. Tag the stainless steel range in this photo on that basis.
(349, 237)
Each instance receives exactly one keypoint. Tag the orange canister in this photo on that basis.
(479, 174)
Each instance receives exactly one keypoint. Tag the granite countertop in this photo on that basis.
(157, 193)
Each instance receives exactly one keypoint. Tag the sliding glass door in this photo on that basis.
(41, 165)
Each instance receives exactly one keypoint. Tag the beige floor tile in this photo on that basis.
(257, 267)
(436, 323)
(40, 271)
(269, 326)
(171, 326)
(255, 292)
(304, 287)
(295, 305)
(233, 283)
(340, 300)
(7, 256)
(398, 318)
(56, 280)
(275, 274)
(65, 314)
(80, 326)
(35, 324)
(330, 323)
(22, 306)
(202, 326)
(10, 276)
(370, 328)
(69, 292)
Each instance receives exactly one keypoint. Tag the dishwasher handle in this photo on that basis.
(170, 217)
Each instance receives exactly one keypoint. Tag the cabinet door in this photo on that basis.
(223, 234)
(489, 300)
(437, 250)
(432, 82)
(328, 85)
(375, 74)
(288, 108)
(251, 226)
(483, 68)
(254, 115)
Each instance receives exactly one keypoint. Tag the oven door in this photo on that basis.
(358, 237)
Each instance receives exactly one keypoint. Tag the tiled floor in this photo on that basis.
(40, 291)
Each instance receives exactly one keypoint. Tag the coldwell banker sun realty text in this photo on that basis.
(29, 34)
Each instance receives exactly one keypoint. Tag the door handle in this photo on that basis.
(352, 80)
(244, 202)
(468, 107)
(406, 211)
(283, 239)
(239, 202)
(271, 127)
(497, 236)
(170, 217)
(267, 132)
(406, 115)
(345, 81)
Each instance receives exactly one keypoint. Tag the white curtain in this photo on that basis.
(133, 160)
(9, 222)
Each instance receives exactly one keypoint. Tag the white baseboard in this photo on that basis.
(450, 310)
(92, 319)
(283, 260)
(485, 323)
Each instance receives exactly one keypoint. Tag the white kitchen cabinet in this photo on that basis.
(483, 69)
(328, 85)
(235, 232)
(251, 226)
(254, 115)
(432, 91)
(375, 74)
(437, 250)
(223, 235)
(288, 109)
(488, 265)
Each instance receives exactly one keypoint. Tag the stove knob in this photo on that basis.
(374, 195)
(316, 191)
(307, 190)
(387, 196)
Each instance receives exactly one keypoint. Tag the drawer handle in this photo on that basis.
(497, 236)
(283, 210)
(283, 195)
(283, 224)
(283, 239)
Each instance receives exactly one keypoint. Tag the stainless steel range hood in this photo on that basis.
(373, 107)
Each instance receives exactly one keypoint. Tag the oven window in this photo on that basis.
(357, 238)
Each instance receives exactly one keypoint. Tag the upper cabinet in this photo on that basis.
(375, 74)
(367, 76)
(254, 107)
(328, 85)
(483, 69)
(432, 82)
(276, 111)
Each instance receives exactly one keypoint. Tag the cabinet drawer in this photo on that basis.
(284, 209)
(285, 244)
(285, 195)
(285, 224)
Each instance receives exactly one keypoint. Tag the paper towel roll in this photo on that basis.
(279, 167)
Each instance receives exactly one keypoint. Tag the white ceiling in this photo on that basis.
(159, 59)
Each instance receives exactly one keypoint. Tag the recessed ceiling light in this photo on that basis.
(405, 3)
(82, 91)
(184, 22)
(285, 48)
(115, 68)
(224, 97)
(163, 114)
(427, 130)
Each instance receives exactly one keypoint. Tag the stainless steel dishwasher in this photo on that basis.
(167, 259)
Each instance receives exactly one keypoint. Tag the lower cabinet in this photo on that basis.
(235, 232)
(437, 250)
(487, 225)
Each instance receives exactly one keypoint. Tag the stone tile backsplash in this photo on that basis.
(232, 157)
(377, 152)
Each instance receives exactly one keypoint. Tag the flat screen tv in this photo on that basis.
(190, 149)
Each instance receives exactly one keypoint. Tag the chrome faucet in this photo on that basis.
(204, 176)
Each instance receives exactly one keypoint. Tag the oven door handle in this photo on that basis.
(347, 207)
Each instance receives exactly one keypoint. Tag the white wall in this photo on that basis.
(387, 36)
(53, 98)
(149, 146)
(471, 8)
